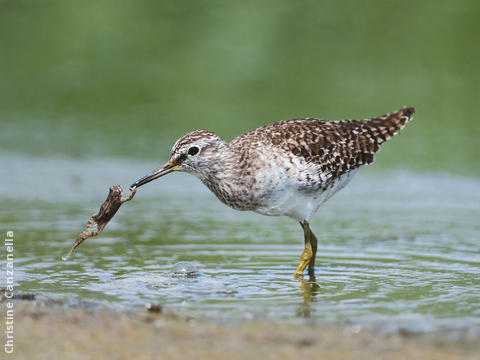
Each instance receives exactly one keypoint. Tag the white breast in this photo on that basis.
(297, 202)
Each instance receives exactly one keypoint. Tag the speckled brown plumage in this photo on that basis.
(336, 146)
(264, 170)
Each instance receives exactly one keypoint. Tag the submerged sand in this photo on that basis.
(53, 331)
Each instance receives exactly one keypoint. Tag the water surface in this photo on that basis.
(395, 249)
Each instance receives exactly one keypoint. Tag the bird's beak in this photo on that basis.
(155, 174)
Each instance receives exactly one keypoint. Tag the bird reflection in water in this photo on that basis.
(309, 290)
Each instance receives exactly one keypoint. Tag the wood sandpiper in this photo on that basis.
(287, 168)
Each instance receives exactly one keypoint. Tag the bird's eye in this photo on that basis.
(193, 150)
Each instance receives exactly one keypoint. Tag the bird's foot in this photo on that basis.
(304, 261)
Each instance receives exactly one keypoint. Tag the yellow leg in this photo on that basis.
(308, 255)
(314, 244)
(304, 259)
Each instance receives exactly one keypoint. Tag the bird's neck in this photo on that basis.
(224, 178)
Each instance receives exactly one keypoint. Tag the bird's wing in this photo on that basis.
(336, 147)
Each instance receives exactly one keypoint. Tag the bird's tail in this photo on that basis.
(382, 128)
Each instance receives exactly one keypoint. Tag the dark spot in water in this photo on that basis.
(154, 308)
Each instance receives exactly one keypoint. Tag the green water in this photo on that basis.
(396, 250)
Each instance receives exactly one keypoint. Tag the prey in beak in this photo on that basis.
(155, 174)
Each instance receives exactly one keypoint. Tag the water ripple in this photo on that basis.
(396, 258)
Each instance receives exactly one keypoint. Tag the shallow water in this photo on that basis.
(395, 249)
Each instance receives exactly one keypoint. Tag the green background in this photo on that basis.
(127, 78)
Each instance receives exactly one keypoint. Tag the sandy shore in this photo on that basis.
(53, 331)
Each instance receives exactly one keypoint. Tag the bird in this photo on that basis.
(287, 168)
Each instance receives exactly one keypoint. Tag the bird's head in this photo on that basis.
(195, 153)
